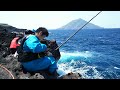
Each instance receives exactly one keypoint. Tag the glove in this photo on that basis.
(49, 54)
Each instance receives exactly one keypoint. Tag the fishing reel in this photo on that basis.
(51, 48)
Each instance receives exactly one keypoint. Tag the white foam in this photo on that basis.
(75, 62)
(61, 72)
(84, 54)
(67, 56)
(116, 68)
(65, 68)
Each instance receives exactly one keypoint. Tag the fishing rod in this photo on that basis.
(78, 30)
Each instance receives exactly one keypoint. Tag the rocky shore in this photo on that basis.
(10, 68)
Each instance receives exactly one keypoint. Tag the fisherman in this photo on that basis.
(32, 53)
(14, 44)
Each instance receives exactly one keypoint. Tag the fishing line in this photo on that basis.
(78, 30)
(7, 71)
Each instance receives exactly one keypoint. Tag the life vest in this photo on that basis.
(14, 43)
(27, 56)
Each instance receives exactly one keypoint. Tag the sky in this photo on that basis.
(57, 19)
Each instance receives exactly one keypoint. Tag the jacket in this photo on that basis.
(14, 43)
(31, 49)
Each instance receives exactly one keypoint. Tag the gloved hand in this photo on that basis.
(49, 54)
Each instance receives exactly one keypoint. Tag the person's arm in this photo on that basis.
(33, 44)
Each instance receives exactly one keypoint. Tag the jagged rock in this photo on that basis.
(71, 76)
(37, 76)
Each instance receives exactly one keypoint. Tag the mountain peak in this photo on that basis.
(77, 24)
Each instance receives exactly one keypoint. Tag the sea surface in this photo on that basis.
(95, 54)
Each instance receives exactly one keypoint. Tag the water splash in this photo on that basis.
(68, 56)
(87, 72)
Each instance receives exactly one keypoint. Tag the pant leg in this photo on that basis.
(13, 50)
(53, 67)
(40, 64)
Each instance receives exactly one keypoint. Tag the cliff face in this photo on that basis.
(77, 24)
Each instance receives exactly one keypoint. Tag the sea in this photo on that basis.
(94, 53)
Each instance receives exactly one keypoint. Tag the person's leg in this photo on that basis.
(40, 64)
(13, 50)
(53, 68)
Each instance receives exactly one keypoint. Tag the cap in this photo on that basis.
(29, 32)
(33, 30)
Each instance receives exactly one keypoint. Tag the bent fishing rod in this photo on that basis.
(78, 30)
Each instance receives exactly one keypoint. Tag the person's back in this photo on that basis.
(33, 58)
(14, 45)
